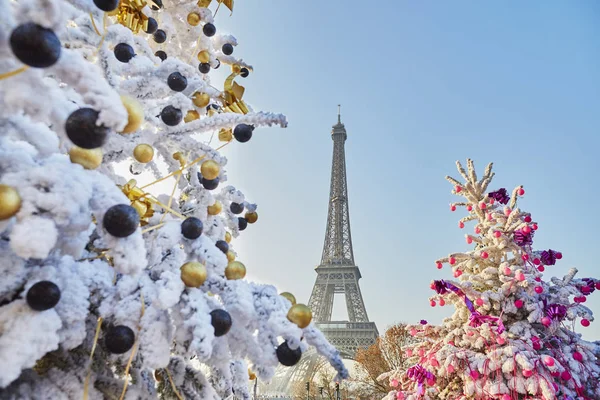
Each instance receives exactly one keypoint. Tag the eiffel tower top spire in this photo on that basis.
(337, 248)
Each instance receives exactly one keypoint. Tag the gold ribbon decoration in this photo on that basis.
(206, 3)
(129, 14)
(139, 200)
(233, 93)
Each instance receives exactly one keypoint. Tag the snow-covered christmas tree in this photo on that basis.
(512, 335)
(110, 289)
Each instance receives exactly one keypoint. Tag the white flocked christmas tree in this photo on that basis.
(111, 289)
(512, 335)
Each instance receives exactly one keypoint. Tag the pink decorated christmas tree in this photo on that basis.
(512, 335)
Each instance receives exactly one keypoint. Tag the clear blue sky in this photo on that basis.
(421, 84)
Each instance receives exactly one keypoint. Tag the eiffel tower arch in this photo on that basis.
(336, 274)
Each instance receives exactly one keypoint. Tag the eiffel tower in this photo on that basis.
(337, 273)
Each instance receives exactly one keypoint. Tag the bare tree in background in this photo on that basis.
(383, 356)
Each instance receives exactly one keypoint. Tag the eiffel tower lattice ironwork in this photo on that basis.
(337, 272)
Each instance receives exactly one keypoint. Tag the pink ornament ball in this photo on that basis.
(526, 229)
(421, 352)
(583, 299)
(394, 383)
(527, 373)
(521, 191)
(527, 218)
(541, 268)
(457, 273)
(458, 189)
(549, 361)
(519, 303)
(452, 207)
(536, 261)
(507, 212)
(452, 260)
(469, 239)
(520, 276)
(555, 374)
(492, 200)
(432, 303)
(474, 374)
(470, 333)
(546, 321)
(598, 285)
(461, 224)
(450, 368)
(565, 375)
(482, 206)
(525, 257)
(507, 271)
(585, 322)
(577, 299)
(558, 255)
(469, 207)
(539, 289)
(434, 362)
(489, 216)
(484, 255)
(409, 353)
(586, 290)
(413, 332)
(400, 396)
(500, 340)
(479, 302)
(506, 397)
(497, 234)
(578, 356)
(477, 230)
(535, 341)
(438, 265)
(534, 227)
(431, 382)
(442, 303)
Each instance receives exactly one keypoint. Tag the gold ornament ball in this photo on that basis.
(225, 135)
(87, 158)
(251, 217)
(10, 202)
(193, 18)
(300, 315)
(204, 56)
(215, 208)
(228, 237)
(135, 114)
(193, 274)
(143, 153)
(251, 375)
(291, 298)
(210, 169)
(230, 256)
(190, 116)
(235, 270)
(200, 99)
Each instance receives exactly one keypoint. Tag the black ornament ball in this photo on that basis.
(222, 245)
(236, 208)
(221, 321)
(177, 82)
(218, 64)
(124, 52)
(43, 295)
(242, 223)
(171, 115)
(209, 29)
(83, 131)
(244, 72)
(107, 5)
(161, 54)
(160, 36)
(227, 49)
(210, 184)
(119, 339)
(35, 45)
(243, 132)
(287, 356)
(121, 220)
(191, 228)
(204, 68)
(158, 3)
(152, 26)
